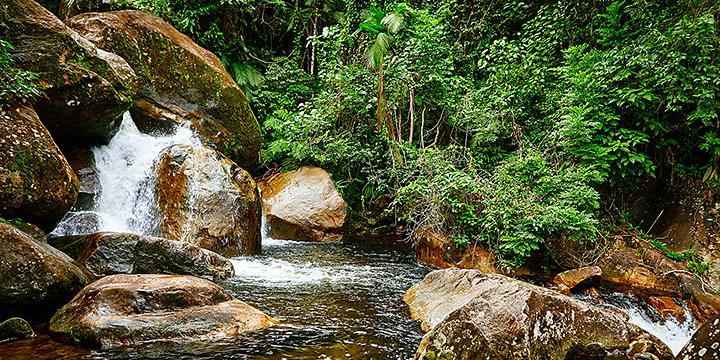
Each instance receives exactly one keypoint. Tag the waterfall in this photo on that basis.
(125, 170)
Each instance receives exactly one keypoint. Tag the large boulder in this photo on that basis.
(207, 200)
(303, 205)
(488, 316)
(128, 309)
(650, 273)
(107, 253)
(87, 89)
(705, 343)
(180, 82)
(34, 277)
(36, 182)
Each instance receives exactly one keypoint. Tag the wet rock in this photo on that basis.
(472, 315)
(78, 223)
(303, 205)
(128, 309)
(15, 329)
(207, 200)
(36, 182)
(34, 277)
(705, 344)
(648, 272)
(667, 307)
(568, 280)
(87, 89)
(180, 81)
(107, 253)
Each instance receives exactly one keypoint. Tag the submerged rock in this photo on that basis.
(107, 253)
(128, 309)
(472, 315)
(207, 200)
(705, 344)
(36, 182)
(86, 89)
(303, 205)
(15, 329)
(180, 81)
(34, 277)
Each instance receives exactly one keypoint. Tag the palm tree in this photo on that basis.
(382, 28)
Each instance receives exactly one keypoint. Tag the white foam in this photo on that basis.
(281, 272)
(125, 170)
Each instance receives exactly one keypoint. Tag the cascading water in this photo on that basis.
(125, 170)
(674, 333)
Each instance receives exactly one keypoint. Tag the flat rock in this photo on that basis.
(124, 309)
(108, 253)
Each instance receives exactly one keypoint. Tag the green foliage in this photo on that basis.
(505, 123)
(689, 257)
(15, 84)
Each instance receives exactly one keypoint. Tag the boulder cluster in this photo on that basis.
(107, 289)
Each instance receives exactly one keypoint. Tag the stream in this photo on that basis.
(334, 301)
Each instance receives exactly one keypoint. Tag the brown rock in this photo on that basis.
(180, 81)
(648, 272)
(128, 309)
(667, 307)
(705, 343)
(36, 182)
(207, 200)
(572, 278)
(86, 89)
(478, 258)
(34, 277)
(303, 205)
(491, 316)
(434, 249)
(108, 253)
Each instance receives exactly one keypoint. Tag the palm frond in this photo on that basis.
(373, 55)
(393, 22)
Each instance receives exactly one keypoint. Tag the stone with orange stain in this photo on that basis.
(207, 200)
(667, 307)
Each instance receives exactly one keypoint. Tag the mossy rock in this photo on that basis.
(180, 82)
(36, 182)
(86, 89)
(15, 329)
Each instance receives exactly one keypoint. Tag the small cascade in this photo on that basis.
(125, 169)
(675, 334)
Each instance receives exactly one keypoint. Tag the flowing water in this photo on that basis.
(673, 332)
(334, 301)
(125, 172)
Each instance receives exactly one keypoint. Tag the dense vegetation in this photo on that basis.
(518, 125)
